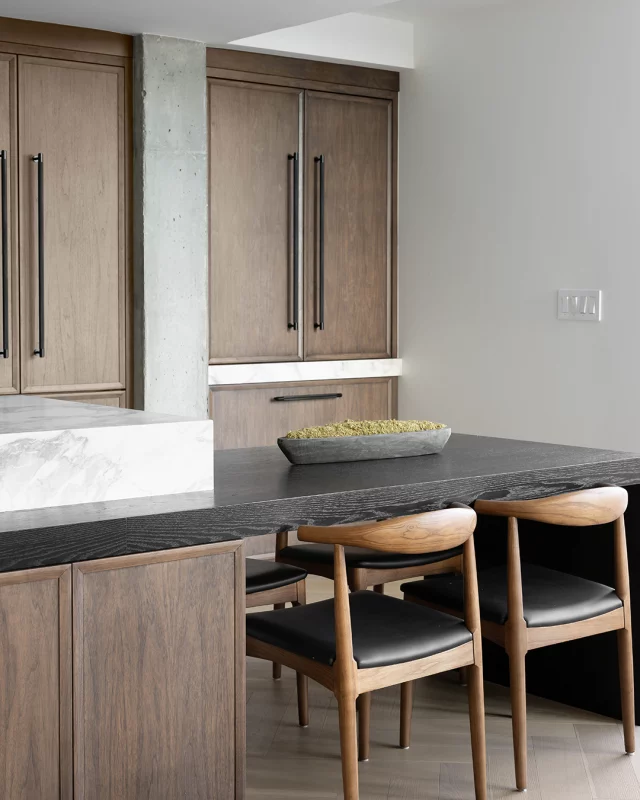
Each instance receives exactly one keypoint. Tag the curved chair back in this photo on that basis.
(430, 532)
(577, 509)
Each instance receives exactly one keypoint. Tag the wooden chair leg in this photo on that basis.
(364, 722)
(348, 746)
(303, 700)
(379, 588)
(478, 734)
(406, 711)
(277, 668)
(519, 715)
(463, 676)
(625, 658)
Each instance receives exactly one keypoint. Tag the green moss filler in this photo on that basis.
(352, 427)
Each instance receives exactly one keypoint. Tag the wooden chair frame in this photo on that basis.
(296, 594)
(360, 578)
(430, 532)
(577, 509)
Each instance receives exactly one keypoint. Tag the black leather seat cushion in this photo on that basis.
(549, 597)
(360, 557)
(385, 630)
(265, 575)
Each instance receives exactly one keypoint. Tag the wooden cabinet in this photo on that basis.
(70, 113)
(124, 678)
(65, 143)
(158, 683)
(35, 676)
(302, 198)
(254, 130)
(255, 416)
(114, 399)
(347, 231)
(9, 360)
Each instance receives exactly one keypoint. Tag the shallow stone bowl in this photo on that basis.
(364, 448)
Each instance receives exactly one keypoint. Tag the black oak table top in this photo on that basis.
(258, 492)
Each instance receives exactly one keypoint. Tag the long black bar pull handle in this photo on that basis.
(39, 351)
(292, 398)
(319, 324)
(296, 241)
(5, 256)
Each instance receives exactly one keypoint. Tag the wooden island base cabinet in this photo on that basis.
(145, 653)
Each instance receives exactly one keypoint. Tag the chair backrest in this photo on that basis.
(598, 506)
(577, 509)
(430, 532)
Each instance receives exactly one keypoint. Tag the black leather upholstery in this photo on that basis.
(549, 597)
(385, 630)
(360, 557)
(265, 575)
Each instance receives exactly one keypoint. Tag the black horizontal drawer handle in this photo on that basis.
(292, 398)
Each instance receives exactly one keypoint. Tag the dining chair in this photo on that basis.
(268, 583)
(524, 606)
(361, 641)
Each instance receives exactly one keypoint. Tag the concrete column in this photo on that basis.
(170, 227)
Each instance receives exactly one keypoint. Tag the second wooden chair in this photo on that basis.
(524, 606)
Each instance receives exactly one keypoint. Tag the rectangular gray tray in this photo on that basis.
(364, 448)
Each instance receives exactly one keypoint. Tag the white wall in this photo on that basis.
(520, 175)
(357, 38)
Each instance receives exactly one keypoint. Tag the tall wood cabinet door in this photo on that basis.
(73, 114)
(9, 335)
(158, 644)
(35, 679)
(254, 130)
(348, 226)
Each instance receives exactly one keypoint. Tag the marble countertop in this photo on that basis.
(258, 492)
(31, 414)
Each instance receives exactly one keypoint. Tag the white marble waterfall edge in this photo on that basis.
(48, 468)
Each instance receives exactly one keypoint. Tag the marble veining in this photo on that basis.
(27, 413)
(78, 454)
(291, 371)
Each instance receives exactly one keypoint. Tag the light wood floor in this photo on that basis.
(573, 755)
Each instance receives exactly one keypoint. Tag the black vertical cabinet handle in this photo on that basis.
(319, 324)
(5, 256)
(296, 240)
(39, 351)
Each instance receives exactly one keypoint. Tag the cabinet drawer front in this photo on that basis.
(255, 416)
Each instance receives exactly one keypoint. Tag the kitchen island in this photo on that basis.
(122, 621)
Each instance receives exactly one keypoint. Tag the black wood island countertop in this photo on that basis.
(258, 492)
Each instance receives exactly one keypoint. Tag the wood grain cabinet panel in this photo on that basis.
(35, 685)
(249, 416)
(354, 137)
(9, 366)
(253, 131)
(114, 399)
(159, 675)
(73, 113)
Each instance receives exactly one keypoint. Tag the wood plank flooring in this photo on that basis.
(573, 755)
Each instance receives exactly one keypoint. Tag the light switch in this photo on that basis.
(580, 305)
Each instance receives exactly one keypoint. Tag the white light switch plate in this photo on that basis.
(580, 305)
